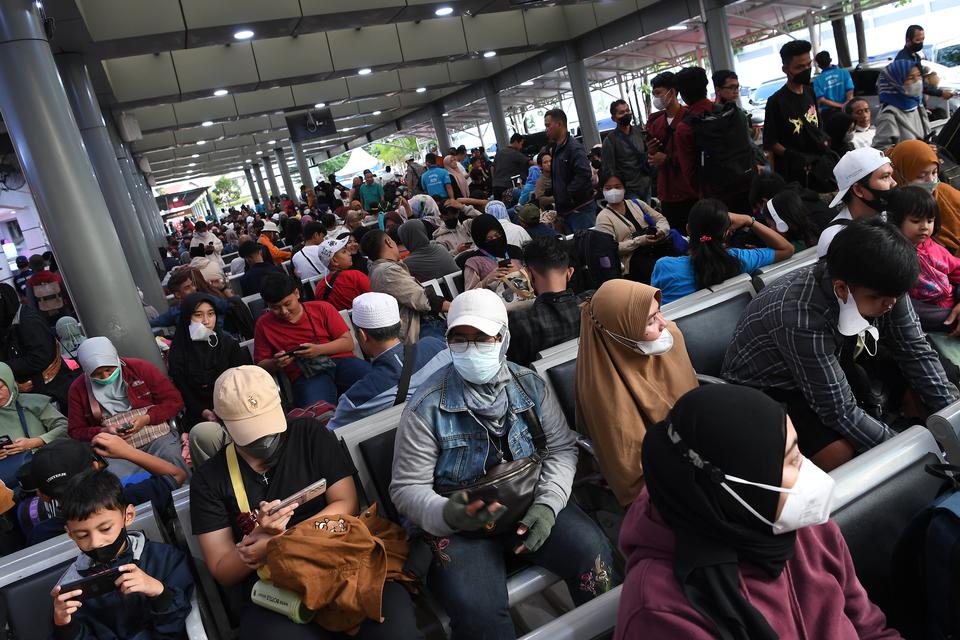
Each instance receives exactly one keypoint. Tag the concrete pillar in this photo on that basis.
(292, 192)
(212, 206)
(497, 118)
(96, 139)
(579, 84)
(154, 218)
(251, 185)
(144, 213)
(861, 34)
(75, 215)
(264, 196)
(717, 33)
(812, 30)
(440, 127)
(840, 40)
(271, 178)
(303, 166)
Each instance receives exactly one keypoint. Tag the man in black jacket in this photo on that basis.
(571, 174)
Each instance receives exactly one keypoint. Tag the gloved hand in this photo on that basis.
(536, 523)
(457, 516)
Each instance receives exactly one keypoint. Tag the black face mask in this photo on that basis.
(916, 47)
(451, 223)
(267, 448)
(625, 120)
(881, 199)
(496, 247)
(803, 77)
(107, 553)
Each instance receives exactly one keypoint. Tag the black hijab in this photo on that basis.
(740, 432)
(197, 360)
(9, 305)
(481, 226)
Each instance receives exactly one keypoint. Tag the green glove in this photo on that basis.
(456, 516)
(538, 521)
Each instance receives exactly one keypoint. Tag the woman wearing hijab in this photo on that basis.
(30, 349)
(496, 257)
(916, 163)
(29, 420)
(902, 115)
(731, 538)
(199, 354)
(111, 385)
(427, 259)
(472, 415)
(452, 163)
(636, 360)
(516, 235)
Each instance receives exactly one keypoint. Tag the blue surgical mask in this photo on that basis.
(108, 380)
(479, 364)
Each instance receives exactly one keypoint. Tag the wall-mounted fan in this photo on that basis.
(11, 178)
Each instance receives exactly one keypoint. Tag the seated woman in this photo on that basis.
(710, 262)
(31, 351)
(637, 362)
(915, 162)
(112, 386)
(902, 115)
(496, 258)
(786, 213)
(733, 539)
(631, 222)
(515, 234)
(29, 420)
(427, 260)
(471, 416)
(198, 355)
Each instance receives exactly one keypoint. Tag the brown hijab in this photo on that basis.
(909, 159)
(621, 392)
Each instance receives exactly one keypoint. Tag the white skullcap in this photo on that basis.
(375, 311)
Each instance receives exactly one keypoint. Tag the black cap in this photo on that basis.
(54, 464)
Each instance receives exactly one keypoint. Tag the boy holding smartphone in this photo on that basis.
(121, 585)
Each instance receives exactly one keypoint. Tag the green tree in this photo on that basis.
(395, 151)
(333, 165)
(226, 191)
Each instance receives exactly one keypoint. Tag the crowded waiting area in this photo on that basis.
(479, 320)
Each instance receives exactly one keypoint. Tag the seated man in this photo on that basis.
(269, 237)
(806, 339)
(54, 465)
(309, 341)
(275, 459)
(529, 215)
(454, 235)
(419, 307)
(376, 318)
(306, 262)
(257, 268)
(152, 599)
(554, 317)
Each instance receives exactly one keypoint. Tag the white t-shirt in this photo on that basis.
(863, 137)
(826, 236)
(306, 262)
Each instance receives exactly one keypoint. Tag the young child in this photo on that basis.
(152, 598)
(914, 211)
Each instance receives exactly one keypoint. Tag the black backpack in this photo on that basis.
(595, 258)
(726, 160)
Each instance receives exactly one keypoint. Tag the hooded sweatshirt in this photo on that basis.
(427, 259)
(817, 595)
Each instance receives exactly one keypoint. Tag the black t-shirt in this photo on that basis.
(791, 119)
(310, 452)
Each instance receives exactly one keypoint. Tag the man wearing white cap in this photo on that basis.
(863, 176)
(342, 283)
(274, 459)
(268, 238)
(463, 422)
(376, 317)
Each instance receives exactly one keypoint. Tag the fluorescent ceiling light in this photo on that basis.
(207, 123)
(320, 105)
(259, 153)
(528, 83)
(376, 113)
(365, 71)
(244, 34)
(444, 114)
(220, 92)
(421, 89)
(489, 54)
(196, 155)
(192, 164)
(443, 11)
(248, 160)
(677, 27)
(201, 142)
(271, 142)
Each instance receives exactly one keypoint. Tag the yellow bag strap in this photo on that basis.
(233, 465)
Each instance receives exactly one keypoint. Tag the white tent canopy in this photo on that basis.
(358, 162)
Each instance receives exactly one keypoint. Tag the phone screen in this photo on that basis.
(303, 496)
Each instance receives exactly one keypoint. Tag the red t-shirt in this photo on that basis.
(348, 285)
(272, 335)
(44, 277)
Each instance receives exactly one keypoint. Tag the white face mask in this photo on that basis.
(614, 196)
(479, 363)
(659, 103)
(808, 502)
(851, 323)
(199, 332)
(914, 89)
(646, 347)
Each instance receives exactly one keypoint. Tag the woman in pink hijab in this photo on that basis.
(453, 162)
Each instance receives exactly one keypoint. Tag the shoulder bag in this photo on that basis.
(141, 438)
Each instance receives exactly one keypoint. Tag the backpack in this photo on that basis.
(595, 258)
(49, 297)
(726, 162)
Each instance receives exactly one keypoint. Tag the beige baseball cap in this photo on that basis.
(247, 400)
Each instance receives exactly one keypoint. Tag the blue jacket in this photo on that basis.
(571, 175)
(377, 390)
(113, 616)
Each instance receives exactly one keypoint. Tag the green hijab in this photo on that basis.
(39, 415)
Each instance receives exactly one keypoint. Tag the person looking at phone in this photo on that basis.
(277, 459)
(28, 421)
(641, 232)
(121, 585)
(308, 340)
(496, 258)
(130, 390)
(483, 401)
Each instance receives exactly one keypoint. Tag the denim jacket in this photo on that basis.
(441, 445)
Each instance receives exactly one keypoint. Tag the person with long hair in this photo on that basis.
(710, 262)
(786, 213)
(916, 163)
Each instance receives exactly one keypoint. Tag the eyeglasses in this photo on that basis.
(731, 87)
(460, 344)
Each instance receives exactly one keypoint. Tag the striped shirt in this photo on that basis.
(788, 339)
